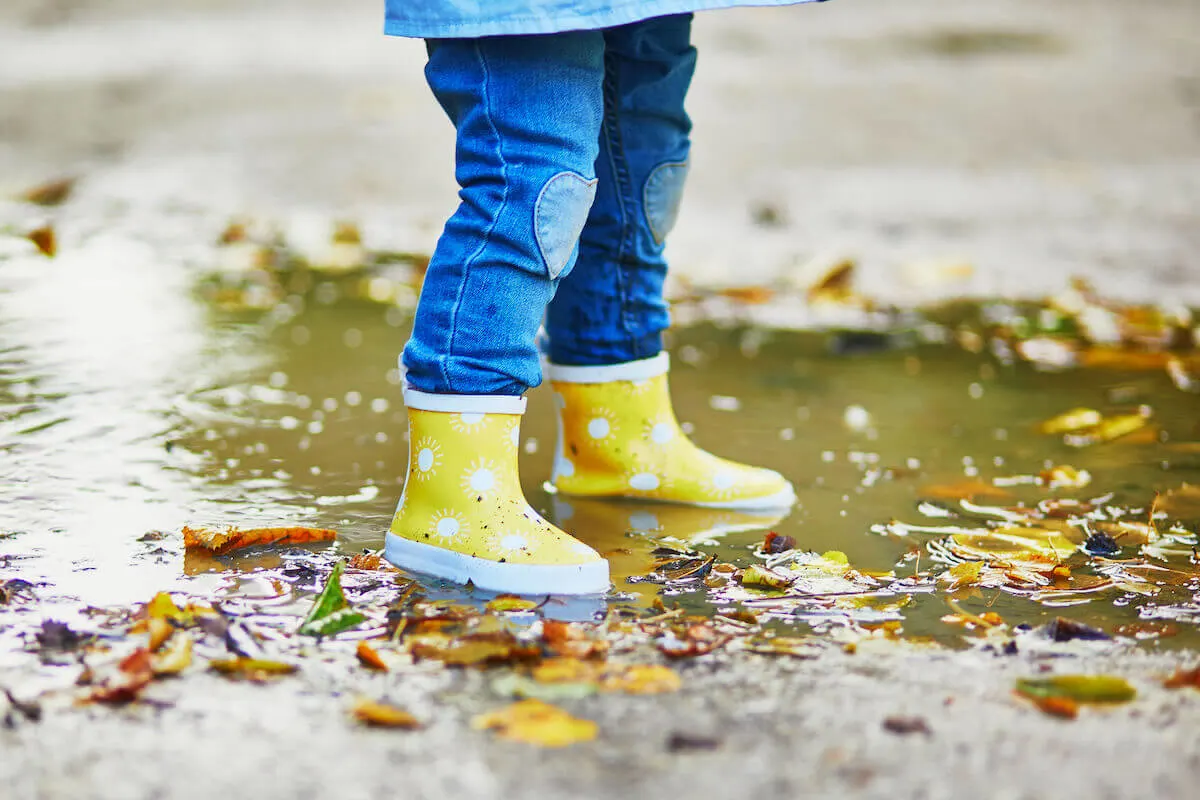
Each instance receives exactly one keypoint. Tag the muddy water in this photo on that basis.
(129, 405)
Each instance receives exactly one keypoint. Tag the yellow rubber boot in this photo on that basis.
(463, 516)
(618, 437)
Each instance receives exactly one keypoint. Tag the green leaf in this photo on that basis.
(331, 613)
(1080, 688)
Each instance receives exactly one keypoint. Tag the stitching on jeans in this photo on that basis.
(619, 165)
(462, 286)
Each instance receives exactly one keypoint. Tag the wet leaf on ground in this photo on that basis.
(643, 679)
(254, 669)
(1079, 688)
(517, 685)
(477, 649)
(219, 541)
(535, 722)
(331, 613)
(175, 658)
(51, 193)
(45, 240)
(384, 715)
(369, 658)
(570, 639)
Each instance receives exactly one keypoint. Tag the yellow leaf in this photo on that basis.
(174, 659)
(1108, 429)
(535, 722)
(160, 630)
(836, 556)
(1073, 420)
(384, 715)
(761, 577)
(644, 679)
(253, 668)
(567, 670)
(162, 606)
(511, 602)
(964, 574)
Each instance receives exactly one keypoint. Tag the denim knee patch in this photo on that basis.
(559, 215)
(664, 190)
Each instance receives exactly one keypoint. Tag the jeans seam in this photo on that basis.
(620, 169)
(462, 286)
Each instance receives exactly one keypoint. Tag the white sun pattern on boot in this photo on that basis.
(481, 478)
(429, 458)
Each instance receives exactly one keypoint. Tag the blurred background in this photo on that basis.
(1026, 140)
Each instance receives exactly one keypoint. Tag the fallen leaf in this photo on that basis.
(750, 295)
(695, 640)
(219, 541)
(535, 722)
(567, 670)
(160, 630)
(44, 240)
(173, 659)
(367, 561)
(51, 193)
(783, 646)
(1063, 707)
(1183, 678)
(1107, 430)
(384, 715)
(774, 543)
(55, 635)
(907, 725)
(1073, 420)
(369, 658)
(1079, 688)
(515, 685)
(1180, 503)
(970, 489)
(255, 669)
(760, 577)
(134, 673)
(331, 613)
(1064, 476)
(643, 679)
(964, 574)
(572, 640)
(477, 649)
(681, 742)
(511, 602)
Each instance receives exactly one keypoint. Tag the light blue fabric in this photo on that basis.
(439, 19)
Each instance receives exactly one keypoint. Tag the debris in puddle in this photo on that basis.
(1060, 695)
(51, 193)
(906, 726)
(384, 715)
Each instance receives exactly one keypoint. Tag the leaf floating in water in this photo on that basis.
(971, 489)
(511, 603)
(760, 577)
(784, 646)
(775, 543)
(569, 639)
(219, 541)
(477, 649)
(1181, 503)
(514, 685)
(331, 613)
(1074, 420)
(964, 574)
(535, 722)
(1109, 429)
(1062, 629)
(384, 715)
(1064, 476)
(1079, 688)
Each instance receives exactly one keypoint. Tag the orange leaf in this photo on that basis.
(369, 658)
(1063, 707)
(384, 715)
(568, 639)
(535, 722)
(44, 240)
(220, 541)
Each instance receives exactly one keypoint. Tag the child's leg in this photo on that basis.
(618, 433)
(527, 110)
(611, 310)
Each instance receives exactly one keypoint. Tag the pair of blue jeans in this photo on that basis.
(571, 157)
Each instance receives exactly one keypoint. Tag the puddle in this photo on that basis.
(134, 399)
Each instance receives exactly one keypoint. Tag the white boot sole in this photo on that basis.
(590, 578)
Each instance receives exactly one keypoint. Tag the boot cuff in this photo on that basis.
(464, 403)
(629, 371)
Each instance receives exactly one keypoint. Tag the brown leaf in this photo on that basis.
(1183, 678)
(175, 658)
(775, 543)
(569, 639)
(220, 541)
(384, 715)
(369, 658)
(45, 240)
(907, 725)
(750, 295)
(695, 640)
(134, 673)
(50, 193)
(365, 561)
(1063, 707)
(254, 669)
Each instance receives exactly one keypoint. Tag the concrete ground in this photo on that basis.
(1035, 140)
